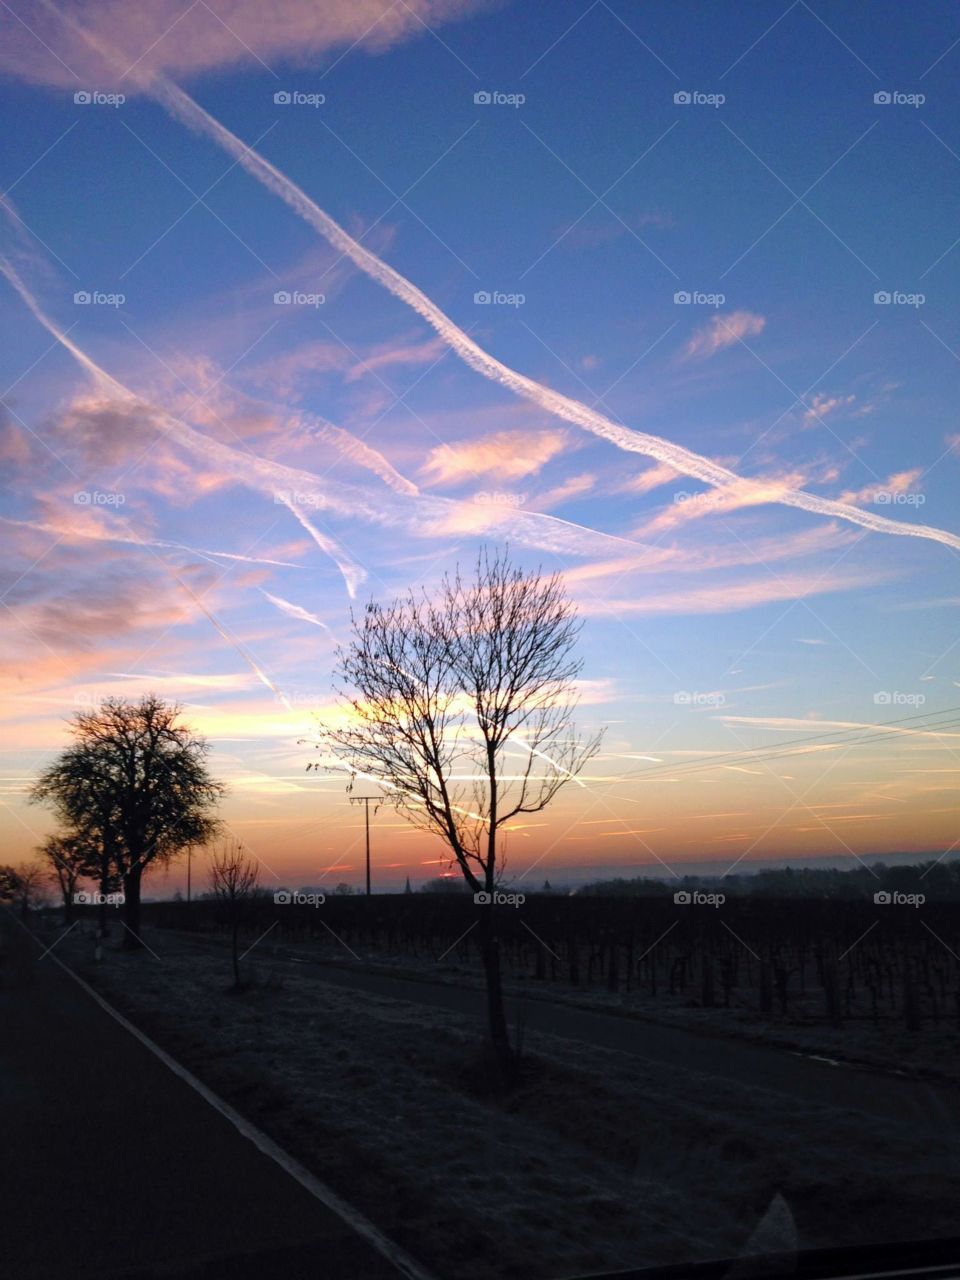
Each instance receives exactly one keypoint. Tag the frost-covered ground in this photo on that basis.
(934, 1051)
(887, 1044)
(597, 1160)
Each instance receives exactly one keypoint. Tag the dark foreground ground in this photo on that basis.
(112, 1166)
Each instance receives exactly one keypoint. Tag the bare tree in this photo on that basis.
(460, 708)
(22, 886)
(137, 782)
(234, 879)
(67, 860)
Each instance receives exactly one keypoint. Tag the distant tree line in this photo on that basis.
(934, 878)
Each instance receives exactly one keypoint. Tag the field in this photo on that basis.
(878, 985)
(598, 1159)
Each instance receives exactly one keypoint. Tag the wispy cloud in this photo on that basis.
(902, 482)
(822, 405)
(188, 39)
(505, 455)
(723, 331)
(730, 597)
(651, 478)
(295, 611)
(687, 507)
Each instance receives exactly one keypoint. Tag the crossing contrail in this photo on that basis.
(683, 460)
(306, 495)
(106, 535)
(240, 648)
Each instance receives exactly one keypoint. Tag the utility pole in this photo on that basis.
(365, 801)
(189, 861)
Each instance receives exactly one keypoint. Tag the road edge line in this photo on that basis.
(404, 1263)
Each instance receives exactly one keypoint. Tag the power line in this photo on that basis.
(866, 733)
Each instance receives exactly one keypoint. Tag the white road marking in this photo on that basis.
(404, 1263)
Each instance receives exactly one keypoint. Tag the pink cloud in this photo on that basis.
(822, 405)
(723, 331)
(169, 36)
(506, 455)
(389, 356)
(697, 506)
(901, 482)
(652, 478)
(730, 597)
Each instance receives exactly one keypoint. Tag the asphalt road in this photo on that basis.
(112, 1166)
(889, 1096)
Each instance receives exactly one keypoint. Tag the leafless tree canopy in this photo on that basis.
(23, 885)
(67, 859)
(233, 879)
(462, 706)
(233, 876)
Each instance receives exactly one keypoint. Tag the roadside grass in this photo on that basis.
(595, 1160)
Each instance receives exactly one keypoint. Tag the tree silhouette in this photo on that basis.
(136, 781)
(22, 886)
(445, 694)
(67, 860)
(233, 880)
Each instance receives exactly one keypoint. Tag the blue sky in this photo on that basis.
(715, 620)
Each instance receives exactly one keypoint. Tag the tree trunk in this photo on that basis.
(496, 1016)
(102, 927)
(131, 910)
(236, 961)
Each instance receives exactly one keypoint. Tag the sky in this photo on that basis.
(304, 305)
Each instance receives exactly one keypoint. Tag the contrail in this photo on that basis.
(682, 460)
(353, 574)
(559, 768)
(295, 610)
(357, 451)
(104, 535)
(298, 489)
(240, 648)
